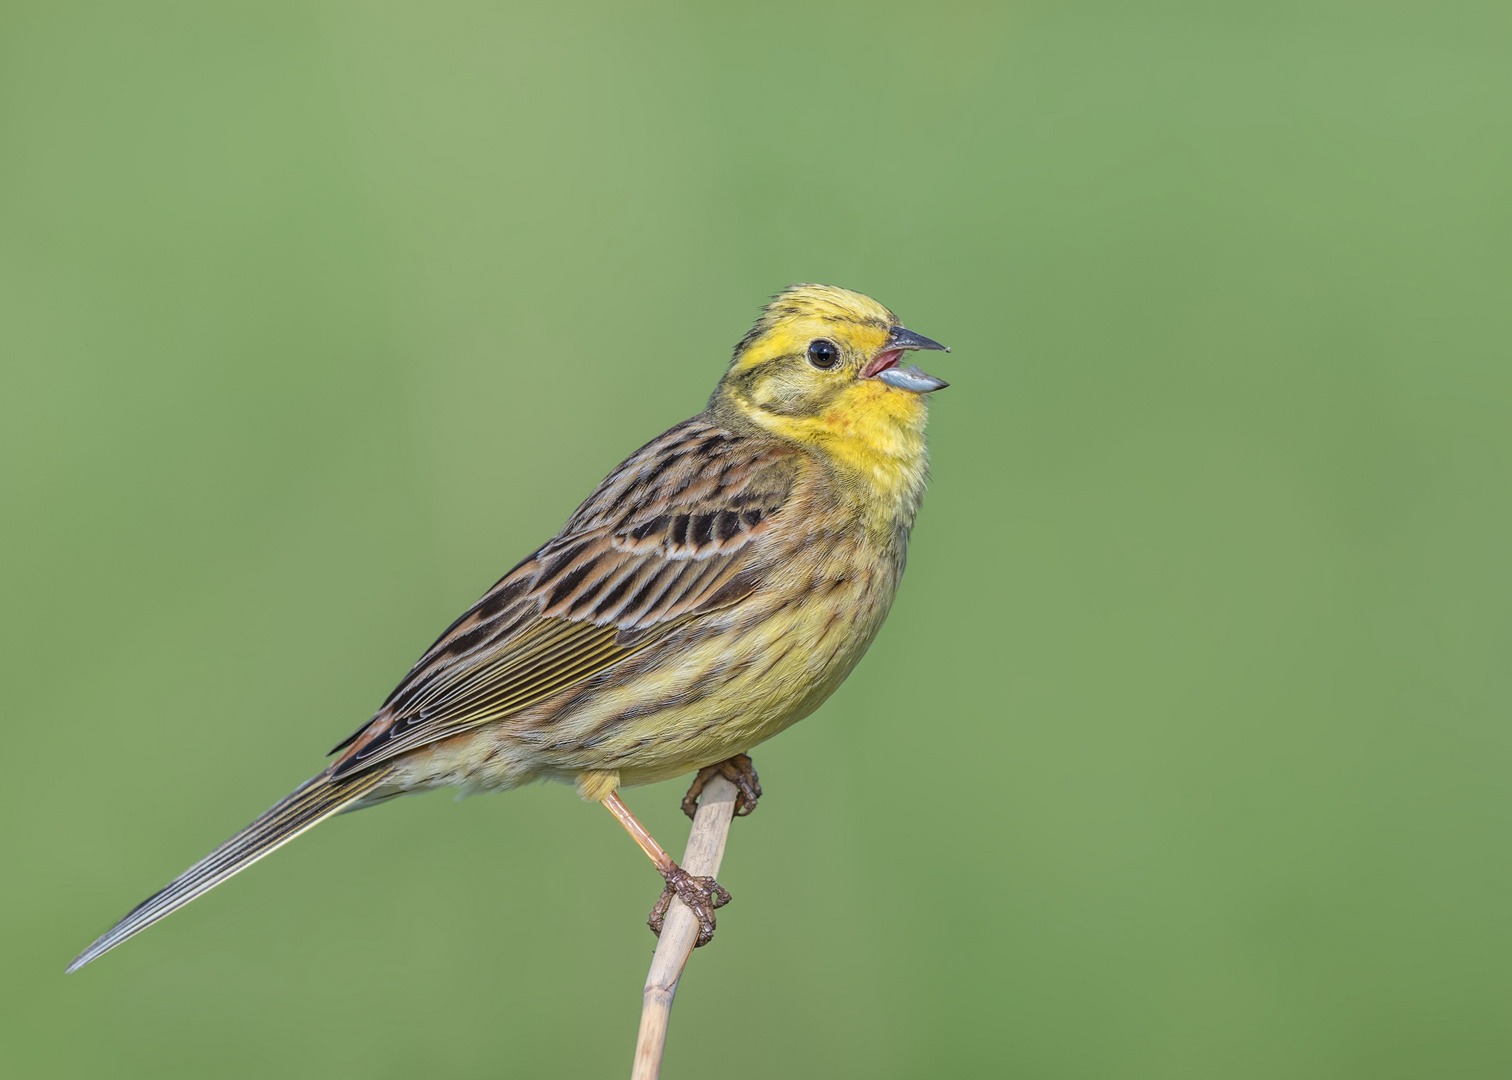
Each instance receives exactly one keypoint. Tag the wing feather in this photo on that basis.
(674, 532)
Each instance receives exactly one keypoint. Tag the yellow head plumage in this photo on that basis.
(819, 368)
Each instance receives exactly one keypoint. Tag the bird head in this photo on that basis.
(822, 367)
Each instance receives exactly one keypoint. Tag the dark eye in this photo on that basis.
(823, 354)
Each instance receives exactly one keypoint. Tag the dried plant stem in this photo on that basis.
(706, 844)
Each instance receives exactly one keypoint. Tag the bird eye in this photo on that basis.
(823, 354)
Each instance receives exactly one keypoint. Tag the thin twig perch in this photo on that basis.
(706, 844)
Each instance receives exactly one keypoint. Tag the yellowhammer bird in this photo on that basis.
(716, 588)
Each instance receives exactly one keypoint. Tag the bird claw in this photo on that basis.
(739, 771)
(702, 895)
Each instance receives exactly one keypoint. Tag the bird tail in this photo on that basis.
(310, 804)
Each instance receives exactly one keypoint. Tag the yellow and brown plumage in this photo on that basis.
(714, 589)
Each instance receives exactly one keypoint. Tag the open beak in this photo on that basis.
(884, 366)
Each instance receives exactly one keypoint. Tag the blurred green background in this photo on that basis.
(1184, 754)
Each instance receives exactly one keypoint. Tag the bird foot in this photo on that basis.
(701, 894)
(739, 771)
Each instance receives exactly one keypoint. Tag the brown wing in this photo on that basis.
(673, 532)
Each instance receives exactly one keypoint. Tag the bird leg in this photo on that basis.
(701, 894)
(739, 771)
